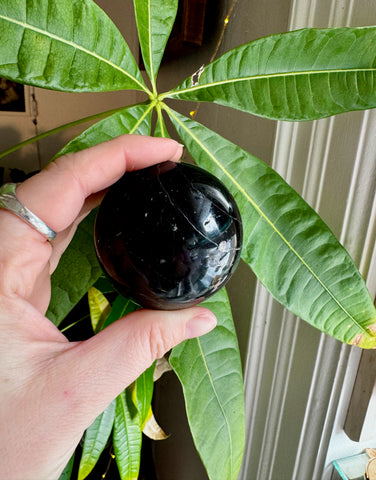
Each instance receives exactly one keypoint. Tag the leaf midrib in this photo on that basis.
(152, 77)
(175, 92)
(130, 457)
(137, 124)
(265, 217)
(218, 401)
(76, 46)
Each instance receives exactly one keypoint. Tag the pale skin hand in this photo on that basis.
(51, 390)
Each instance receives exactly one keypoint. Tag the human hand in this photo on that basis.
(51, 390)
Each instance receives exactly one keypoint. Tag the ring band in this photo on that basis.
(9, 201)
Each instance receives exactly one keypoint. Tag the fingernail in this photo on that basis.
(200, 325)
(181, 145)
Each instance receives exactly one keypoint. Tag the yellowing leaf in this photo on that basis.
(99, 308)
(162, 366)
(152, 429)
(142, 392)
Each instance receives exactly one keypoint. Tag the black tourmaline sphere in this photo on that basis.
(168, 236)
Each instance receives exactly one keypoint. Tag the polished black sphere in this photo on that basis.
(168, 236)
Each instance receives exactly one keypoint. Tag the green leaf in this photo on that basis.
(155, 19)
(104, 285)
(288, 246)
(67, 472)
(68, 45)
(133, 120)
(142, 394)
(77, 271)
(96, 438)
(127, 437)
(120, 308)
(301, 75)
(209, 370)
(79, 262)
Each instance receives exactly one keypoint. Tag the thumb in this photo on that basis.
(100, 368)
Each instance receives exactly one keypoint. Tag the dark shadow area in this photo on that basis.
(12, 96)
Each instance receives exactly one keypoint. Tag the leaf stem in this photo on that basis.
(47, 133)
(158, 107)
(74, 323)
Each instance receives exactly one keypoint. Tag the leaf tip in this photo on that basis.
(366, 340)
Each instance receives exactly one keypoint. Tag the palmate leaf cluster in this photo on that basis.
(71, 45)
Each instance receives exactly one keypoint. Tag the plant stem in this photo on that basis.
(74, 323)
(96, 116)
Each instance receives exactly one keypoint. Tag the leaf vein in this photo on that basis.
(74, 45)
(228, 429)
(249, 78)
(265, 217)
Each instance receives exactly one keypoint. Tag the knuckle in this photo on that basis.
(160, 340)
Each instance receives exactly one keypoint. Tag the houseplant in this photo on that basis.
(71, 45)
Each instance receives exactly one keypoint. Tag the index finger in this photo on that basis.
(56, 194)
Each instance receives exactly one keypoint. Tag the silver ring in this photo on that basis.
(9, 201)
